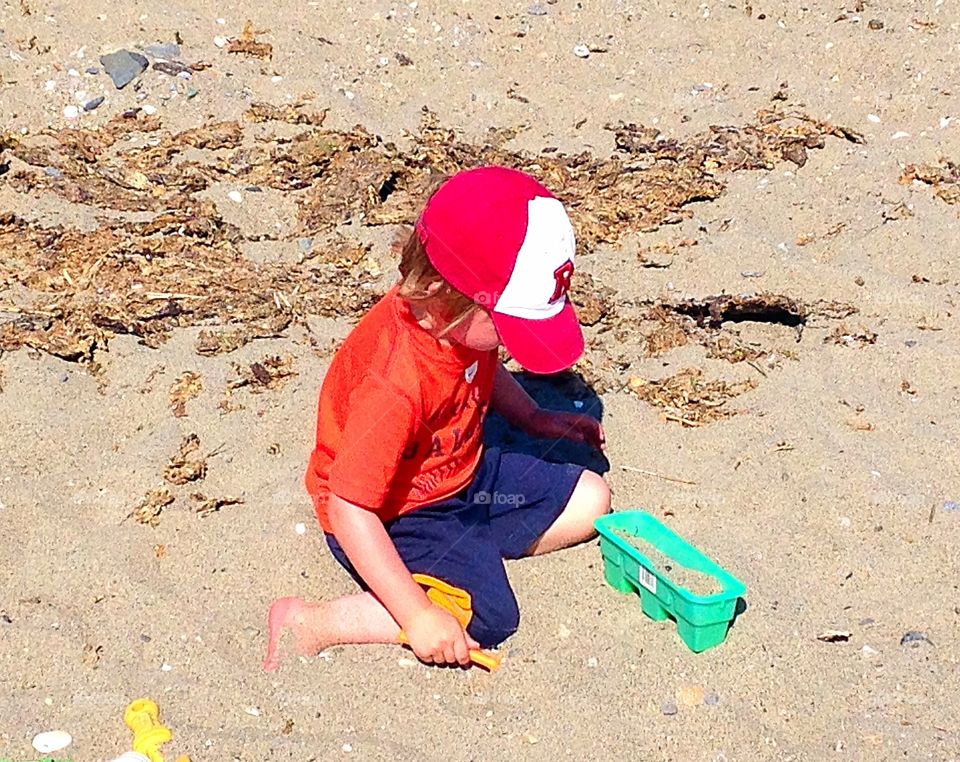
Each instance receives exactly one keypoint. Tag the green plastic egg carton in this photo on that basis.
(702, 620)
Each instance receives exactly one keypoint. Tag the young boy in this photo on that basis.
(399, 477)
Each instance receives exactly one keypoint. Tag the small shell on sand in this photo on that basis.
(51, 741)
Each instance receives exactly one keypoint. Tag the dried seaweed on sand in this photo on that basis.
(204, 506)
(268, 373)
(687, 398)
(187, 386)
(944, 177)
(180, 263)
(148, 510)
(187, 464)
(248, 45)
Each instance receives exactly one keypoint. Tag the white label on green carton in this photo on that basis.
(647, 579)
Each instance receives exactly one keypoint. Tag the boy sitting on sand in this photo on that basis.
(400, 480)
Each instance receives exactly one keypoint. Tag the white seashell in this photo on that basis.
(51, 741)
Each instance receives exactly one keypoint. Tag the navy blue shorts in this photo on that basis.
(513, 499)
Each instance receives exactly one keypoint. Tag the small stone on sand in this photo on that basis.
(165, 50)
(123, 67)
(690, 695)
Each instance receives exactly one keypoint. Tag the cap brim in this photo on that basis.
(542, 346)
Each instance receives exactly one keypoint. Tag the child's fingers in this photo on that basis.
(471, 643)
(462, 651)
(449, 655)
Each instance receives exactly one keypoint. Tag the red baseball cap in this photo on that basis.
(502, 239)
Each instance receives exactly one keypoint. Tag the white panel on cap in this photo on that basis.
(548, 244)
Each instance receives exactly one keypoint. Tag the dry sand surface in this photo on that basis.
(817, 423)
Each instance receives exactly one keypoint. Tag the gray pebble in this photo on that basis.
(711, 699)
(867, 621)
(305, 244)
(537, 10)
(752, 274)
(914, 638)
(192, 92)
(52, 172)
(92, 104)
(144, 638)
(251, 632)
(165, 50)
(951, 505)
(92, 70)
(668, 708)
(123, 67)
(910, 343)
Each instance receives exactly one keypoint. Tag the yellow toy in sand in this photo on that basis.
(143, 718)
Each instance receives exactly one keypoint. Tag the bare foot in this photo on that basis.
(304, 620)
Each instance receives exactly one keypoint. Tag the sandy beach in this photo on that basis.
(767, 220)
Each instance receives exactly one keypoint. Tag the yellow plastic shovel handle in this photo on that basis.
(456, 602)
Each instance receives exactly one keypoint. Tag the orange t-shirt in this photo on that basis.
(400, 417)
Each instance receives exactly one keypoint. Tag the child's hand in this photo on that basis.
(437, 638)
(554, 424)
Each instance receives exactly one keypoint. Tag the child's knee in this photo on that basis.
(592, 495)
(494, 620)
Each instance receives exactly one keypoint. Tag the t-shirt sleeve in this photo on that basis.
(381, 423)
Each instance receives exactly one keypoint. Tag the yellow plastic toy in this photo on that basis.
(456, 601)
(143, 718)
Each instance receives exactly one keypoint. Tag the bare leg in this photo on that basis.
(589, 501)
(359, 618)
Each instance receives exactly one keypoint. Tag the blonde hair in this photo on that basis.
(418, 276)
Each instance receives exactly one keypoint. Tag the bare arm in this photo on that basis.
(434, 634)
(519, 409)
(364, 539)
(511, 400)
